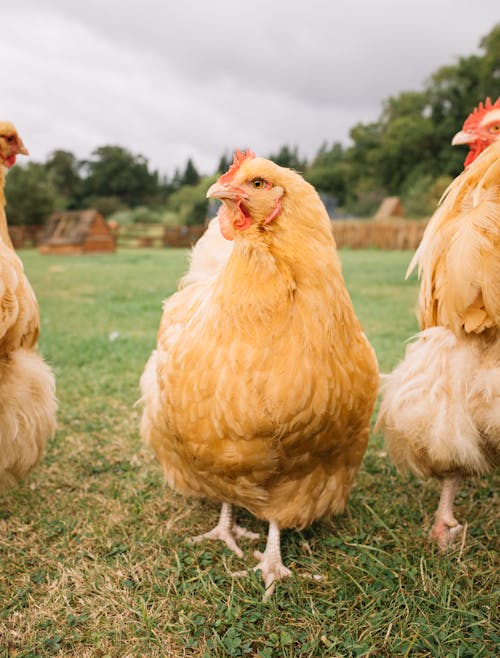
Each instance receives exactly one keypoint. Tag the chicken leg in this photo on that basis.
(446, 528)
(227, 530)
(270, 562)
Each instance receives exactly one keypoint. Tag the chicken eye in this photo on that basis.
(258, 183)
(495, 128)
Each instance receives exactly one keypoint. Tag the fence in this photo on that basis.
(352, 233)
(25, 236)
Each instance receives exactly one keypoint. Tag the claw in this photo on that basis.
(446, 528)
(227, 531)
(244, 533)
(272, 570)
(224, 535)
(445, 533)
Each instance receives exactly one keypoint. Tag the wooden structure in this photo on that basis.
(182, 236)
(391, 206)
(25, 236)
(77, 232)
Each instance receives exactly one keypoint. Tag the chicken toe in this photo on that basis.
(446, 528)
(270, 563)
(445, 533)
(227, 531)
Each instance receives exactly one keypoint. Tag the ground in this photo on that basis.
(92, 550)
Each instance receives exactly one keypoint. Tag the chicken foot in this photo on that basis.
(270, 562)
(446, 528)
(227, 531)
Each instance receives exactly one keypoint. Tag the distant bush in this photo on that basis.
(421, 196)
(107, 205)
(365, 198)
(190, 202)
(31, 197)
(140, 215)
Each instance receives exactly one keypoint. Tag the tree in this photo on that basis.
(114, 172)
(410, 144)
(224, 164)
(288, 157)
(191, 175)
(190, 202)
(64, 172)
(329, 171)
(30, 195)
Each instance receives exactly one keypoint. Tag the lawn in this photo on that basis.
(94, 561)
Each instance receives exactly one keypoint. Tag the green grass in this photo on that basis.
(94, 561)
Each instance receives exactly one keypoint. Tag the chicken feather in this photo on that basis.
(27, 386)
(269, 352)
(440, 409)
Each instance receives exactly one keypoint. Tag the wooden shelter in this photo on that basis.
(77, 232)
(391, 206)
(182, 236)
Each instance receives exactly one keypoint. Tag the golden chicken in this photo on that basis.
(441, 406)
(208, 255)
(260, 391)
(27, 388)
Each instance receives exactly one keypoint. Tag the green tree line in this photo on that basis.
(406, 152)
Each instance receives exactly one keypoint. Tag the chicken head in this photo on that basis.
(11, 145)
(481, 128)
(250, 192)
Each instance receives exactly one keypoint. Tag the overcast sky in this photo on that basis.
(173, 80)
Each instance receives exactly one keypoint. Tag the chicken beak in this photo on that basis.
(226, 192)
(463, 137)
(21, 148)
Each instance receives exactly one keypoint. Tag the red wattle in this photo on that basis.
(275, 212)
(226, 227)
(243, 223)
(244, 220)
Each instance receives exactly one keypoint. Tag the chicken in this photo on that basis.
(27, 387)
(209, 254)
(260, 391)
(440, 412)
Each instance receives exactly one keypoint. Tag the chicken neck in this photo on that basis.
(4, 231)
(263, 274)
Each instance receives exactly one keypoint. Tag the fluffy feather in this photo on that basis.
(27, 386)
(440, 409)
(262, 384)
(27, 413)
(208, 255)
(458, 259)
(441, 406)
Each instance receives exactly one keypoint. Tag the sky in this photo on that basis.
(173, 80)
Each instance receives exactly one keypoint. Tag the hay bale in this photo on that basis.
(387, 234)
(391, 206)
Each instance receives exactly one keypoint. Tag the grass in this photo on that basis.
(93, 557)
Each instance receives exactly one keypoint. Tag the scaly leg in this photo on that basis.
(270, 562)
(227, 530)
(446, 528)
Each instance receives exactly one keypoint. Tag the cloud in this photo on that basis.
(196, 79)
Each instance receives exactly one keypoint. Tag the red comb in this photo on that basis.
(238, 160)
(475, 117)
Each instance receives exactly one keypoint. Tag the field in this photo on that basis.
(94, 561)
